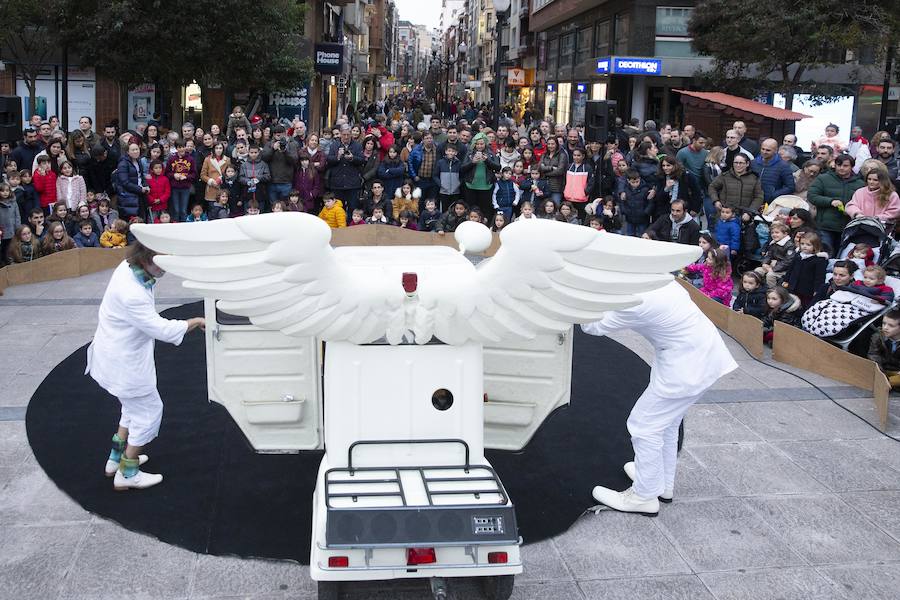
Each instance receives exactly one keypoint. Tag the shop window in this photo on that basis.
(672, 21)
(584, 45)
(550, 104)
(601, 38)
(598, 91)
(674, 48)
(620, 35)
(553, 56)
(567, 51)
(564, 103)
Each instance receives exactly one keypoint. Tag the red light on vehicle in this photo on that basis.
(338, 562)
(420, 556)
(497, 558)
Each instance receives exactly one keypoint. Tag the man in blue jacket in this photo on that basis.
(774, 174)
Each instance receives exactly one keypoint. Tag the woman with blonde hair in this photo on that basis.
(876, 199)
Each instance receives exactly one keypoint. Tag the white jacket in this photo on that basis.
(690, 353)
(120, 358)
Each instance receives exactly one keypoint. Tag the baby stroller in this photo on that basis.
(869, 231)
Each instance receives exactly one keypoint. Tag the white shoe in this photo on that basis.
(666, 496)
(139, 481)
(112, 466)
(626, 501)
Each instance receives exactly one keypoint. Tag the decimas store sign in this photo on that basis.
(329, 58)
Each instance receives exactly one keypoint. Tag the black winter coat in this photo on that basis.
(753, 303)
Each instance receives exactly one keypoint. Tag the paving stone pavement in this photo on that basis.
(781, 494)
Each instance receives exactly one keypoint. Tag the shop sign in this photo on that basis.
(551, 87)
(581, 88)
(626, 65)
(141, 104)
(516, 77)
(286, 106)
(329, 58)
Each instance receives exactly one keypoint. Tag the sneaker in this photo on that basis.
(626, 501)
(666, 496)
(139, 481)
(112, 466)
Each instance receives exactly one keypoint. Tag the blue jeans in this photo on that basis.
(279, 191)
(180, 199)
(635, 229)
(557, 198)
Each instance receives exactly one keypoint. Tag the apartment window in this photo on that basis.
(553, 56)
(620, 35)
(585, 47)
(564, 103)
(567, 51)
(601, 38)
(672, 21)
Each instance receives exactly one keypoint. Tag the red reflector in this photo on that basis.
(420, 556)
(338, 561)
(410, 282)
(495, 558)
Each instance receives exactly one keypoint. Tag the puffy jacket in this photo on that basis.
(410, 203)
(345, 173)
(9, 218)
(865, 203)
(415, 159)
(688, 232)
(882, 355)
(553, 169)
(826, 188)
(806, 275)
(717, 288)
(728, 233)
(740, 192)
(334, 216)
(449, 221)
(788, 313)
(391, 173)
(753, 303)
(159, 190)
(637, 207)
(648, 168)
(45, 185)
(128, 186)
(775, 177)
(467, 168)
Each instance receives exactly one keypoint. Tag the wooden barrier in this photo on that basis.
(803, 350)
(746, 330)
(389, 235)
(61, 265)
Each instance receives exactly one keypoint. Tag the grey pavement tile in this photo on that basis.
(813, 378)
(736, 380)
(30, 498)
(102, 572)
(543, 562)
(825, 530)
(865, 408)
(737, 351)
(881, 508)
(13, 444)
(712, 424)
(755, 468)
(222, 575)
(544, 591)
(772, 584)
(612, 544)
(722, 534)
(18, 391)
(770, 376)
(883, 449)
(872, 582)
(677, 587)
(812, 420)
(693, 480)
(34, 560)
(842, 465)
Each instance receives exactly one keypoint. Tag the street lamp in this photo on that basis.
(447, 64)
(501, 8)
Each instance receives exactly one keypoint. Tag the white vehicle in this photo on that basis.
(404, 363)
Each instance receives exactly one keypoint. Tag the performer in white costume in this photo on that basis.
(690, 357)
(120, 359)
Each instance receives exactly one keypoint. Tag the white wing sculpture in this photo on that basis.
(280, 271)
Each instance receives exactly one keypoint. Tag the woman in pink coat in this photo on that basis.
(877, 199)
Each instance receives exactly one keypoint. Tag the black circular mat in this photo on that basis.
(220, 497)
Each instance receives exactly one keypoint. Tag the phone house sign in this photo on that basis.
(329, 58)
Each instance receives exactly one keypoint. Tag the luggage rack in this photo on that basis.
(441, 484)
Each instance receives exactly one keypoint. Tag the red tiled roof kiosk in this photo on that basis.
(714, 113)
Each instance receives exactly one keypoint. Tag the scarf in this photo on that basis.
(144, 278)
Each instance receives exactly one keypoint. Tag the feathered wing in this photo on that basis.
(546, 276)
(281, 272)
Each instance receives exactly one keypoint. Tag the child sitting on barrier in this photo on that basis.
(782, 306)
(884, 347)
(716, 272)
(751, 299)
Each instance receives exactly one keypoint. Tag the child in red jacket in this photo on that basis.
(160, 189)
(44, 181)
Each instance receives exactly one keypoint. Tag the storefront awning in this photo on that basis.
(745, 105)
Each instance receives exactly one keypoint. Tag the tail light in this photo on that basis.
(420, 556)
(497, 558)
(338, 562)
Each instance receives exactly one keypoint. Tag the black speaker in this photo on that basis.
(600, 119)
(10, 119)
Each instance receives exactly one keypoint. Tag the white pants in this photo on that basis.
(653, 425)
(141, 416)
